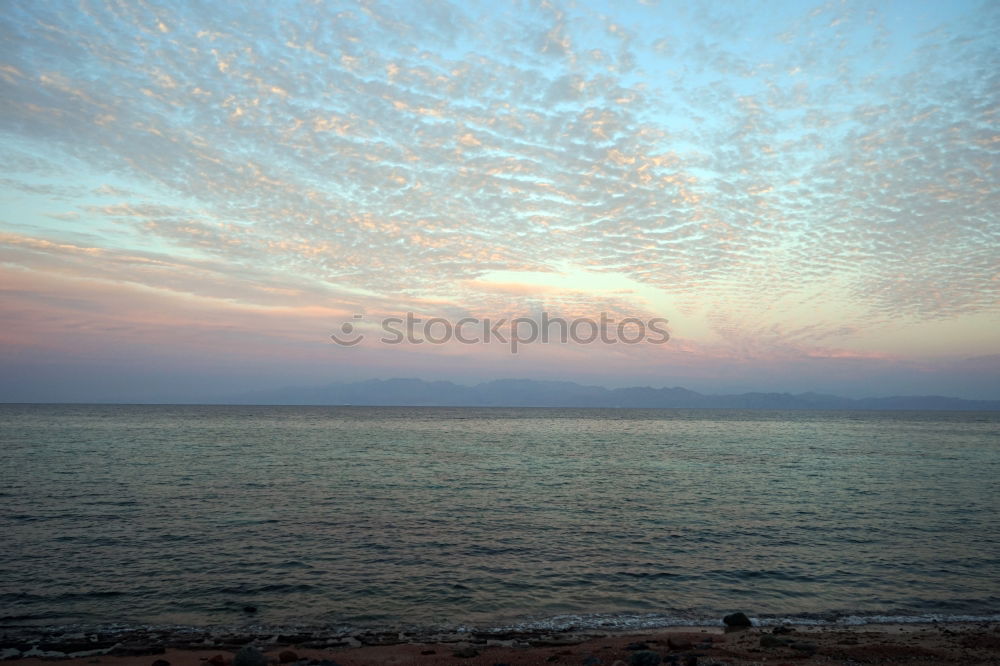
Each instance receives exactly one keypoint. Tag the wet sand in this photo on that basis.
(914, 644)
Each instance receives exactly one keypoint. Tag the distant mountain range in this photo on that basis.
(531, 393)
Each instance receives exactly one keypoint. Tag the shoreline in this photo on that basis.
(918, 644)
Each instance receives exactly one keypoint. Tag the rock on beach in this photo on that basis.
(249, 656)
(737, 620)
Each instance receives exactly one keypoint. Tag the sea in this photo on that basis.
(420, 519)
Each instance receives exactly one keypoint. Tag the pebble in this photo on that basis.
(644, 658)
(770, 640)
(808, 648)
(249, 656)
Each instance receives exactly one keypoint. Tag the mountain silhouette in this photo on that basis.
(532, 393)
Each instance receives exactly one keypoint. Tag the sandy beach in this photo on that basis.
(914, 644)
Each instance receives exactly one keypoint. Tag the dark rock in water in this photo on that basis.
(770, 640)
(249, 609)
(161, 662)
(737, 621)
(808, 648)
(644, 658)
(217, 660)
(782, 629)
(466, 652)
(287, 657)
(637, 646)
(249, 656)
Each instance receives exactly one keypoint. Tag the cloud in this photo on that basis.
(733, 162)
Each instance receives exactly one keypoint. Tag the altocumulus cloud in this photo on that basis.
(794, 174)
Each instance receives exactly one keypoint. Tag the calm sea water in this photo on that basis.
(397, 517)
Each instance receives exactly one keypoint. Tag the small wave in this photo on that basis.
(47, 615)
(856, 620)
(633, 621)
(293, 564)
(553, 624)
(65, 596)
(267, 588)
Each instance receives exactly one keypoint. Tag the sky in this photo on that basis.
(195, 196)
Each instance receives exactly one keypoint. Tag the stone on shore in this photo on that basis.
(132, 650)
(770, 640)
(737, 620)
(644, 658)
(249, 656)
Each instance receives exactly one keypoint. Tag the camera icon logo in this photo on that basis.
(347, 330)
